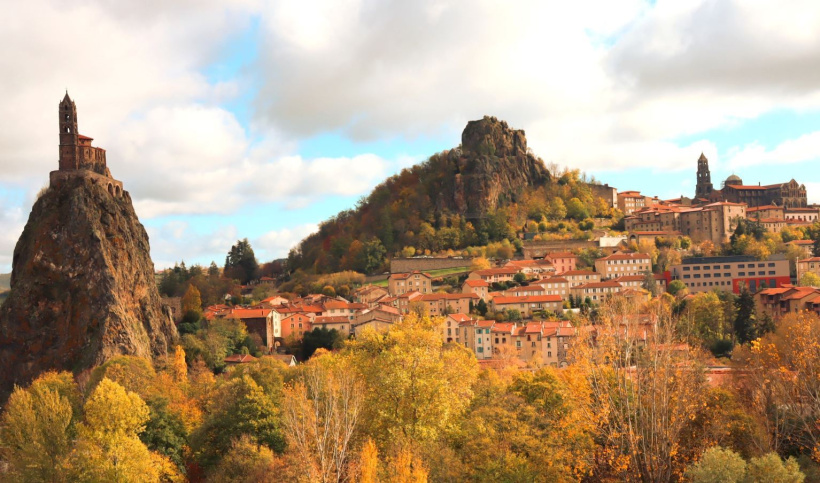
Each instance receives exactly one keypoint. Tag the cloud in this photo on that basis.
(597, 84)
(798, 150)
(277, 243)
(176, 240)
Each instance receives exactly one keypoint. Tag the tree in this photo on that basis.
(191, 304)
(782, 388)
(718, 465)
(369, 462)
(321, 412)
(108, 447)
(557, 210)
(644, 390)
(178, 366)
(424, 384)
(248, 462)
(745, 323)
(241, 262)
(37, 427)
(577, 210)
(479, 263)
(649, 283)
(319, 338)
(771, 469)
(240, 407)
(809, 279)
(213, 270)
(328, 291)
(520, 277)
(676, 287)
(481, 307)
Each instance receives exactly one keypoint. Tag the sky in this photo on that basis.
(252, 119)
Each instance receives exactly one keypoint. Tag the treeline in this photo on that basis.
(634, 405)
(414, 213)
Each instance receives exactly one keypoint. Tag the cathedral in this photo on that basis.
(786, 195)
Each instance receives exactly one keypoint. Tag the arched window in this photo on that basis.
(110, 189)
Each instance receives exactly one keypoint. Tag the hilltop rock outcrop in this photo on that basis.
(494, 166)
(82, 286)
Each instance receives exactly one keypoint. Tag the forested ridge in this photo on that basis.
(486, 190)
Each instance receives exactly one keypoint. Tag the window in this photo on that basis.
(496, 340)
(771, 272)
(726, 267)
(741, 266)
(479, 349)
(771, 264)
(549, 353)
(697, 275)
(685, 269)
(518, 344)
(479, 340)
(687, 276)
(533, 344)
(727, 275)
(741, 274)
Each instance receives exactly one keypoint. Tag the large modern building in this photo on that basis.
(702, 274)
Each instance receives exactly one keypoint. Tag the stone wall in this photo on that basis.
(539, 249)
(402, 265)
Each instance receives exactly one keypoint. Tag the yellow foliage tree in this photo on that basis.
(178, 366)
(108, 447)
(423, 385)
(35, 430)
(369, 463)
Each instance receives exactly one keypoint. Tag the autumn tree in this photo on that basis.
(191, 304)
(240, 406)
(782, 383)
(108, 447)
(37, 428)
(321, 412)
(644, 389)
(423, 384)
(809, 279)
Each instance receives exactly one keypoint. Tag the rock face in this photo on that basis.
(494, 166)
(82, 286)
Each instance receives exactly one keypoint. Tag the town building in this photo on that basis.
(341, 324)
(562, 261)
(399, 283)
(788, 195)
(528, 304)
(808, 265)
(702, 274)
(715, 222)
(579, 277)
(777, 302)
(631, 201)
(477, 286)
(622, 264)
(597, 292)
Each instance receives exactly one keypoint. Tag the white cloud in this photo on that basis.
(596, 84)
(176, 240)
(277, 243)
(798, 150)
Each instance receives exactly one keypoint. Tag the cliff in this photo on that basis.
(494, 166)
(82, 285)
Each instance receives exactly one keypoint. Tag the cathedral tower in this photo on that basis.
(69, 155)
(704, 187)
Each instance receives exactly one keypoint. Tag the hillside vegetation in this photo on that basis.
(482, 192)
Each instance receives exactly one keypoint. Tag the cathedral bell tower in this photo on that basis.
(704, 187)
(69, 141)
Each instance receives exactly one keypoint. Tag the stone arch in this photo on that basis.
(118, 191)
(110, 189)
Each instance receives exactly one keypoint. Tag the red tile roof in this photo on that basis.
(240, 358)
